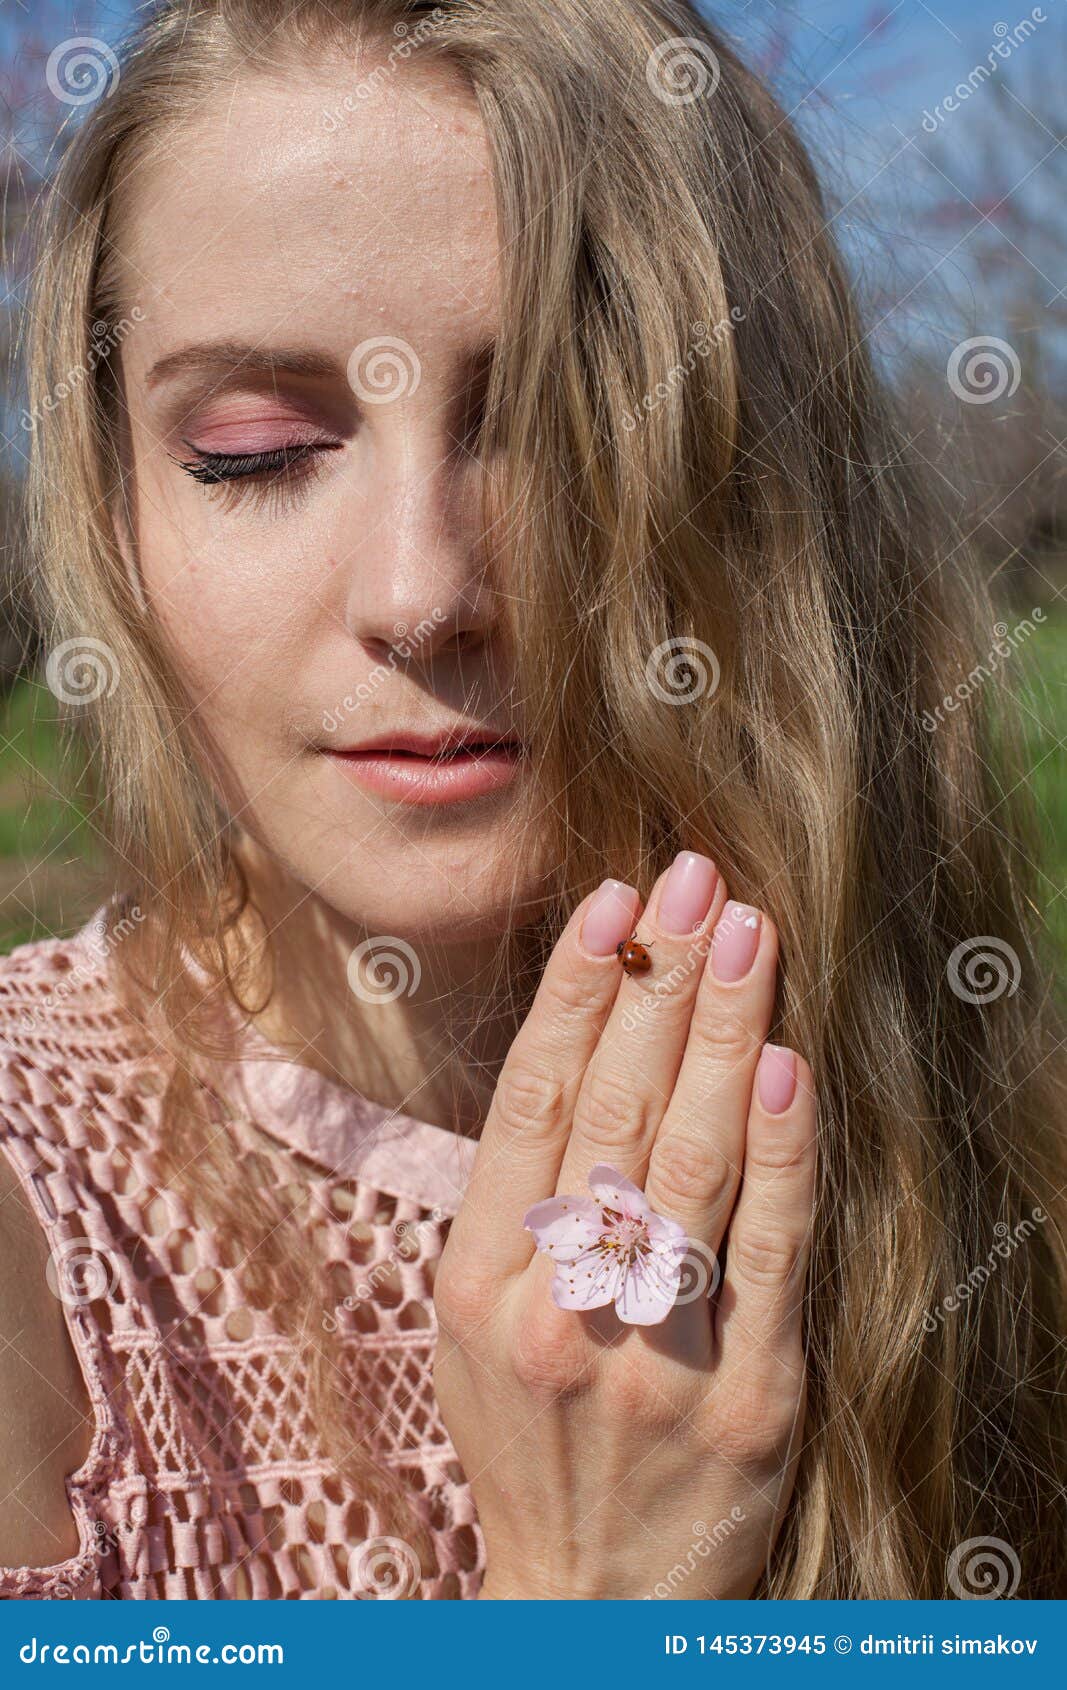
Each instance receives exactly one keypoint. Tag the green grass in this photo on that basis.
(1043, 696)
(53, 861)
(54, 865)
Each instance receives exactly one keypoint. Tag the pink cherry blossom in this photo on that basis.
(610, 1248)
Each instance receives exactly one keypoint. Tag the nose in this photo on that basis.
(418, 576)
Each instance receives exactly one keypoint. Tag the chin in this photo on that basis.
(391, 870)
(446, 897)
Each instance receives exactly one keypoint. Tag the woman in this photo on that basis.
(476, 511)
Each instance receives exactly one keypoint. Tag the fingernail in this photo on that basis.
(776, 1078)
(610, 917)
(735, 942)
(687, 892)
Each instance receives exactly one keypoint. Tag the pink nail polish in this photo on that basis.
(610, 917)
(735, 942)
(687, 892)
(776, 1078)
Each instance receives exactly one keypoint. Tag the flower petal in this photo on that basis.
(564, 1226)
(663, 1230)
(589, 1283)
(647, 1294)
(614, 1191)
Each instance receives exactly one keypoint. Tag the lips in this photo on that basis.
(449, 743)
(428, 768)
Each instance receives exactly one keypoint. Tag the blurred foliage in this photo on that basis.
(1043, 696)
(53, 860)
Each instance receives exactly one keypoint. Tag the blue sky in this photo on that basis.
(881, 62)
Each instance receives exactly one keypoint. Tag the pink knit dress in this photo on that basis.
(205, 1478)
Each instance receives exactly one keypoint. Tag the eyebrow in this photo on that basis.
(242, 357)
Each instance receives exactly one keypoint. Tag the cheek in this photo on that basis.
(221, 626)
(232, 612)
(203, 616)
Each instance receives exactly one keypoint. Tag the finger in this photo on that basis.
(769, 1239)
(631, 1075)
(695, 1164)
(525, 1134)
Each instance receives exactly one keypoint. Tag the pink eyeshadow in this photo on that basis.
(254, 434)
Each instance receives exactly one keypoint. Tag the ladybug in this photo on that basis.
(633, 955)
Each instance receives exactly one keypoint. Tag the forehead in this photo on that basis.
(275, 201)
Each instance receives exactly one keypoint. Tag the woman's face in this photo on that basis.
(320, 284)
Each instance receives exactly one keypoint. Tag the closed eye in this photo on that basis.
(276, 472)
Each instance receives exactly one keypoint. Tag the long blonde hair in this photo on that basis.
(741, 608)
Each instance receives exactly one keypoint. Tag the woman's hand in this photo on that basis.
(607, 1459)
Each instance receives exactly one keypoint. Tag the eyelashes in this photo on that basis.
(276, 477)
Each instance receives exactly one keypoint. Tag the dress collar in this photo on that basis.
(347, 1134)
(324, 1120)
